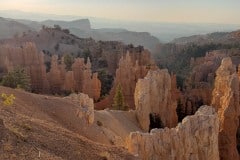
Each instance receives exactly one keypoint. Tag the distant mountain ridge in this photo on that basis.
(216, 37)
(82, 28)
(83, 24)
(164, 31)
(11, 28)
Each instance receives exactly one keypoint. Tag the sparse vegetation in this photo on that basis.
(106, 81)
(17, 78)
(7, 100)
(86, 55)
(179, 61)
(68, 61)
(119, 99)
(99, 123)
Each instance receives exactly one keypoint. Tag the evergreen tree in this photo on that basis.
(68, 60)
(119, 99)
(17, 78)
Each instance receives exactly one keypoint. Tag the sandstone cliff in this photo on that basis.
(226, 101)
(153, 95)
(195, 138)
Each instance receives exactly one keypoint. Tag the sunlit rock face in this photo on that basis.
(85, 81)
(195, 138)
(153, 95)
(86, 107)
(132, 65)
(226, 101)
(58, 79)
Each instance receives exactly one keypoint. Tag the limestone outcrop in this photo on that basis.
(195, 138)
(153, 95)
(86, 107)
(226, 102)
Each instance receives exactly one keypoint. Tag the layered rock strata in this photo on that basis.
(195, 138)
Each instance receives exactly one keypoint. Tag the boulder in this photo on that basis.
(86, 107)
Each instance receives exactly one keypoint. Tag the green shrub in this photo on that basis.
(17, 79)
(119, 99)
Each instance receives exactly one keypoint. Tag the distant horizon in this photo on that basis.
(153, 11)
(69, 17)
(164, 31)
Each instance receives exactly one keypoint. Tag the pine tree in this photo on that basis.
(68, 60)
(17, 78)
(119, 99)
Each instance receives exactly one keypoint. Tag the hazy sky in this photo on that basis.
(213, 11)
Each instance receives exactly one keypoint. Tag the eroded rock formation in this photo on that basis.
(57, 80)
(28, 58)
(226, 101)
(131, 67)
(86, 107)
(195, 138)
(54, 76)
(85, 81)
(200, 82)
(153, 95)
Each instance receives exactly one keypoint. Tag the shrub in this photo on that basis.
(17, 79)
(68, 60)
(106, 81)
(119, 99)
(7, 100)
(99, 123)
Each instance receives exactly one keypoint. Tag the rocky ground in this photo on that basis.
(42, 127)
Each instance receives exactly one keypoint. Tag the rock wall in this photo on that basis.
(226, 101)
(195, 138)
(153, 95)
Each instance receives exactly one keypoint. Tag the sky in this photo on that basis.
(182, 11)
